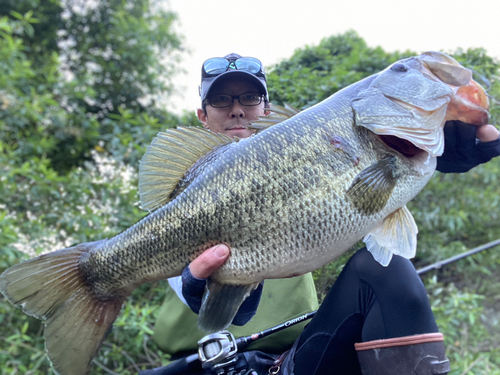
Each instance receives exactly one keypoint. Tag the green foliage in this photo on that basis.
(123, 52)
(460, 209)
(67, 173)
(472, 342)
(318, 72)
(73, 66)
(39, 33)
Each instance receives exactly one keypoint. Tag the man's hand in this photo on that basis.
(194, 279)
(487, 133)
(209, 261)
(462, 152)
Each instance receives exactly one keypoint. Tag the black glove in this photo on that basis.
(462, 151)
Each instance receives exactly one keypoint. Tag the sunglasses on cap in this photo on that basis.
(218, 65)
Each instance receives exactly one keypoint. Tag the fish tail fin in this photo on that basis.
(53, 288)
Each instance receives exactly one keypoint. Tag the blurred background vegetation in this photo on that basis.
(79, 101)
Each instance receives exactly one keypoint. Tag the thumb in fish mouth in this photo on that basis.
(470, 103)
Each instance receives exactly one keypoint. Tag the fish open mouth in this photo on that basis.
(402, 146)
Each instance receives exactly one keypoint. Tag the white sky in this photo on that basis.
(272, 29)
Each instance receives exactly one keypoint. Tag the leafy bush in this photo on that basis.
(66, 177)
(470, 345)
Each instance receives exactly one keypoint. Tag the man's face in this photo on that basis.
(232, 120)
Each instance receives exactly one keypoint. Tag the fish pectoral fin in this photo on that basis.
(167, 159)
(278, 114)
(372, 188)
(220, 304)
(396, 235)
(51, 287)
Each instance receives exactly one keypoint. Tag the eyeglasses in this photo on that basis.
(224, 101)
(217, 65)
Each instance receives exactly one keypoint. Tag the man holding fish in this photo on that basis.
(286, 201)
(383, 310)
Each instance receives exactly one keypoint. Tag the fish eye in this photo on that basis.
(399, 67)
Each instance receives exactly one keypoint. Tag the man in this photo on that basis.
(367, 303)
(223, 112)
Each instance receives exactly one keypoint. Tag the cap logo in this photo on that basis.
(232, 65)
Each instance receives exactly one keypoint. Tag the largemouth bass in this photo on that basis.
(286, 200)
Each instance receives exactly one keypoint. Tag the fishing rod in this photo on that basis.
(218, 351)
(440, 264)
(243, 342)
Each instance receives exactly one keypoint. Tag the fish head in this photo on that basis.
(408, 103)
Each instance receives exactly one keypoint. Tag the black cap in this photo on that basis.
(208, 80)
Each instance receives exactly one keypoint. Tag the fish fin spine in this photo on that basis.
(278, 114)
(169, 157)
(52, 287)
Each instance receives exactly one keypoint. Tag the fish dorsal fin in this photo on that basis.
(168, 158)
(397, 235)
(278, 114)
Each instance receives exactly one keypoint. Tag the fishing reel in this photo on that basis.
(218, 354)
